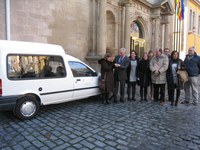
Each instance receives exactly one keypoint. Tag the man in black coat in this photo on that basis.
(120, 73)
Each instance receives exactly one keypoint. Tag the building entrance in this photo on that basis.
(137, 41)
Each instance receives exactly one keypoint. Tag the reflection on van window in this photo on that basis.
(32, 66)
(79, 69)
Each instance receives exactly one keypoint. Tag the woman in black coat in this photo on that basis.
(107, 66)
(144, 76)
(173, 78)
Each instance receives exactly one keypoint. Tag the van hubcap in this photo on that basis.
(28, 108)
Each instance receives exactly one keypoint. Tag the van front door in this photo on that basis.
(85, 80)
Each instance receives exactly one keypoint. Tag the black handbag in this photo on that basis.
(102, 83)
(138, 82)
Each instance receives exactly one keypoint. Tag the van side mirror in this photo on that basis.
(94, 74)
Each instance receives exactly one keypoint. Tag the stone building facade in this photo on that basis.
(88, 28)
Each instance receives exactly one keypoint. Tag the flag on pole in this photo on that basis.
(180, 9)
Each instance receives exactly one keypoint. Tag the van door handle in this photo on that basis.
(40, 89)
(78, 79)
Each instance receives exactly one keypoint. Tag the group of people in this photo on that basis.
(155, 69)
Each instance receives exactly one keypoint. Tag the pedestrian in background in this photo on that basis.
(120, 73)
(144, 76)
(173, 78)
(107, 66)
(192, 65)
(167, 53)
(158, 66)
(150, 56)
(132, 78)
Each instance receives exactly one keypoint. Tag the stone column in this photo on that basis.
(166, 42)
(92, 49)
(127, 28)
(94, 27)
(116, 34)
(122, 27)
(157, 42)
(101, 33)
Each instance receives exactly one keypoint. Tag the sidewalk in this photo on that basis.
(90, 125)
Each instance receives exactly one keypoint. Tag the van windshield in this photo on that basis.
(34, 66)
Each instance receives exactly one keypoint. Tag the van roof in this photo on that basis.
(30, 47)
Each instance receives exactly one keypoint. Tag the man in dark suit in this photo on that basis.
(120, 73)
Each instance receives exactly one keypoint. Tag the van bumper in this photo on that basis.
(7, 102)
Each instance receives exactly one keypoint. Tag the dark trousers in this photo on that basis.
(105, 97)
(131, 85)
(171, 94)
(168, 90)
(159, 92)
(143, 92)
(122, 89)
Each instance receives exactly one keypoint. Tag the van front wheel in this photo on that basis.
(27, 107)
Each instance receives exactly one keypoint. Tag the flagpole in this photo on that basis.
(177, 33)
(175, 27)
(179, 44)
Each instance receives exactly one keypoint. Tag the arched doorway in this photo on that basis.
(137, 41)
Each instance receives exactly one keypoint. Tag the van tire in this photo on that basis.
(27, 107)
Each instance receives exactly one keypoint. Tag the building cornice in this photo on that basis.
(197, 2)
(124, 2)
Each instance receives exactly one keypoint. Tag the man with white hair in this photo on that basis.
(192, 65)
(158, 66)
(120, 73)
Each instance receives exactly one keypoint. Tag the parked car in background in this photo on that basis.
(35, 74)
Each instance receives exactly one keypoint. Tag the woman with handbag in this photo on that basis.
(107, 66)
(173, 78)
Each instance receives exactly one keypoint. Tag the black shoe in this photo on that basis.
(194, 103)
(104, 102)
(115, 101)
(107, 102)
(185, 102)
(122, 100)
(133, 99)
(111, 97)
(172, 104)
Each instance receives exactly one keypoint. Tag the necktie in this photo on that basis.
(120, 60)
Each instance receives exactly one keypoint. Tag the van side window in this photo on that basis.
(80, 70)
(35, 67)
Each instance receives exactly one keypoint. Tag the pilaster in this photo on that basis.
(127, 27)
(101, 33)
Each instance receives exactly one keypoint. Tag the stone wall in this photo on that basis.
(2, 20)
(63, 22)
(74, 24)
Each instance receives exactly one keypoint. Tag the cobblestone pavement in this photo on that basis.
(88, 124)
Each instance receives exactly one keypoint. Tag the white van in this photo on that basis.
(35, 74)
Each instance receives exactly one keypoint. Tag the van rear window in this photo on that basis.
(34, 67)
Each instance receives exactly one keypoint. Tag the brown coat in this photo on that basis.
(107, 72)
